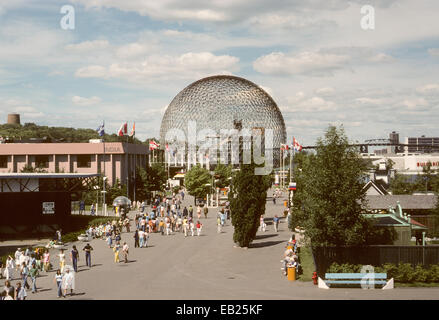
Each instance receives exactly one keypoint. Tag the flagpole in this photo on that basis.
(103, 187)
(291, 161)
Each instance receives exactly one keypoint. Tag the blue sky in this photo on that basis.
(126, 60)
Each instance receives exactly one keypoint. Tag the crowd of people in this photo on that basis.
(291, 256)
(164, 216)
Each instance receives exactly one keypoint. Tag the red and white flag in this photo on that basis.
(284, 147)
(153, 145)
(123, 129)
(296, 145)
(167, 147)
(133, 130)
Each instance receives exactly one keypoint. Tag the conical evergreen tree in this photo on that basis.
(247, 203)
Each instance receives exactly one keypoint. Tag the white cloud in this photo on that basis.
(88, 46)
(428, 88)
(415, 104)
(187, 66)
(325, 91)
(81, 101)
(277, 63)
(434, 52)
(370, 101)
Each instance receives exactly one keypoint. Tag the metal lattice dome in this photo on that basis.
(216, 102)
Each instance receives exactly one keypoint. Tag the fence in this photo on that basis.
(375, 256)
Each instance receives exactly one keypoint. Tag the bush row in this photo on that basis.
(403, 273)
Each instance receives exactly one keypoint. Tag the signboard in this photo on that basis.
(48, 207)
(292, 186)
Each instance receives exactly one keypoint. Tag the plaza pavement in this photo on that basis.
(200, 268)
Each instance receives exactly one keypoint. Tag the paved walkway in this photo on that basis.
(205, 267)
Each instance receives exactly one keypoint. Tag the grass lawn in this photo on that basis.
(307, 264)
(416, 284)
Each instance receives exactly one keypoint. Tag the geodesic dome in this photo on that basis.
(216, 102)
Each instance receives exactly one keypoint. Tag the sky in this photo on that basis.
(127, 60)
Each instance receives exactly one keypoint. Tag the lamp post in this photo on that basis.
(104, 205)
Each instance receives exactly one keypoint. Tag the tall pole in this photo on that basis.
(104, 180)
(291, 163)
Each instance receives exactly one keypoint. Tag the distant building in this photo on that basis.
(422, 144)
(118, 160)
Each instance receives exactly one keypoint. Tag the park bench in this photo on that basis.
(355, 280)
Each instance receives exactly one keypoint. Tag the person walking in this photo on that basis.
(24, 272)
(145, 239)
(185, 226)
(68, 282)
(219, 225)
(109, 239)
(198, 212)
(9, 268)
(33, 272)
(168, 226)
(205, 210)
(125, 250)
(58, 281)
(88, 249)
(62, 260)
(141, 238)
(136, 239)
(199, 227)
(276, 223)
(116, 250)
(185, 212)
(8, 291)
(18, 254)
(20, 292)
(74, 256)
(46, 260)
(192, 227)
(191, 211)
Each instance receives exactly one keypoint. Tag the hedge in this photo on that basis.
(403, 273)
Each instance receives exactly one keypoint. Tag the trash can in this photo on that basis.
(292, 273)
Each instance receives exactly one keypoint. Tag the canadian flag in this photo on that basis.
(123, 129)
(133, 130)
(296, 145)
(284, 147)
(153, 145)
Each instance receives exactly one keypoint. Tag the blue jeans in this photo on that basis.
(24, 279)
(34, 284)
(75, 264)
(88, 259)
(59, 284)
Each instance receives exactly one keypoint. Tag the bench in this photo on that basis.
(355, 279)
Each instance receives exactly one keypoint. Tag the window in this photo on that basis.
(3, 161)
(84, 160)
(42, 161)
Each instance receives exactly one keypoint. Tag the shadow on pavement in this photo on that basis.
(264, 244)
(265, 236)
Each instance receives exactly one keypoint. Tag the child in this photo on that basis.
(199, 227)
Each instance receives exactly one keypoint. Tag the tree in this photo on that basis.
(329, 197)
(149, 179)
(195, 181)
(223, 173)
(247, 203)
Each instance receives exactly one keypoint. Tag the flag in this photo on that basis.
(284, 147)
(133, 130)
(101, 130)
(296, 145)
(122, 130)
(167, 147)
(153, 145)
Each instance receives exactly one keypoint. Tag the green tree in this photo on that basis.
(195, 181)
(247, 203)
(329, 197)
(222, 173)
(149, 179)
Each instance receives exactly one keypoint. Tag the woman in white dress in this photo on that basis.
(68, 281)
(62, 260)
(9, 268)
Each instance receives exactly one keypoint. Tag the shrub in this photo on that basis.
(390, 269)
(434, 273)
(421, 274)
(405, 273)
